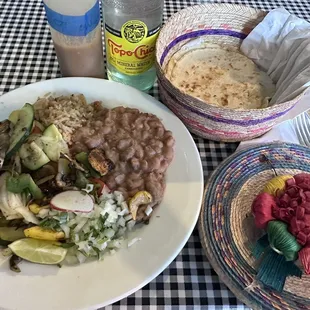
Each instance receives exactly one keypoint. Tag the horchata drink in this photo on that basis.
(76, 32)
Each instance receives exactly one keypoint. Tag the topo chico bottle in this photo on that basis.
(131, 30)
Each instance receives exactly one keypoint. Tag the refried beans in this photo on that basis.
(137, 143)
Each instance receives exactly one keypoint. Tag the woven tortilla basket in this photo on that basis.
(227, 229)
(226, 24)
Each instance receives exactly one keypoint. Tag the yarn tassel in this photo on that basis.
(260, 246)
(274, 270)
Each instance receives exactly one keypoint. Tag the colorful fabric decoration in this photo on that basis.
(282, 209)
(276, 185)
(262, 208)
(281, 241)
(304, 258)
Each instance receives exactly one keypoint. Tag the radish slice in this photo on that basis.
(72, 201)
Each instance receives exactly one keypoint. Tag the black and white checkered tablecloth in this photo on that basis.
(27, 55)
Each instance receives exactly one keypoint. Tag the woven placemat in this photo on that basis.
(227, 229)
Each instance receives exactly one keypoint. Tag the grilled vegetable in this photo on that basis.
(45, 179)
(81, 180)
(4, 140)
(17, 166)
(63, 171)
(13, 118)
(12, 205)
(11, 223)
(73, 162)
(83, 159)
(4, 222)
(4, 243)
(33, 156)
(14, 261)
(35, 208)
(11, 233)
(8, 212)
(46, 170)
(24, 181)
(139, 199)
(21, 129)
(37, 138)
(52, 132)
(37, 232)
(99, 162)
(53, 143)
(17, 204)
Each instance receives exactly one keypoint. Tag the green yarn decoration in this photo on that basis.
(274, 270)
(260, 247)
(282, 241)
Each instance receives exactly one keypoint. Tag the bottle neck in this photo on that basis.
(132, 6)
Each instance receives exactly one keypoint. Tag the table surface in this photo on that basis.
(27, 55)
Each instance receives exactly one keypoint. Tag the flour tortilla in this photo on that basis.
(220, 76)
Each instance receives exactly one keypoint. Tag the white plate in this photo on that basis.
(97, 284)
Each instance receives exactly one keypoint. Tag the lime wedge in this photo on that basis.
(38, 251)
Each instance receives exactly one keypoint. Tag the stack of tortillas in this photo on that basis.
(221, 76)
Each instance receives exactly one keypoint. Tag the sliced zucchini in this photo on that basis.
(37, 138)
(11, 233)
(22, 128)
(32, 156)
(53, 143)
(83, 159)
(13, 118)
(52, 132)
(18, 184)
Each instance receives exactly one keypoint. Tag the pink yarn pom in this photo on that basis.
(293, 207)
(304, 257)
(262, 209)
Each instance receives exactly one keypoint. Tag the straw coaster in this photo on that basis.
(227, 229)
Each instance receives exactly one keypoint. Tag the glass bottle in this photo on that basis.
(131, 30)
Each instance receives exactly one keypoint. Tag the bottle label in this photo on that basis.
(132, 49)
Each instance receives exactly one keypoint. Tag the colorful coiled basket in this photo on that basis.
(227, 228)
(224, 24)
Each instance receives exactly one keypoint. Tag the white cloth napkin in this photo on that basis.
(280, 45)
(287, 130)
(283, 132)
